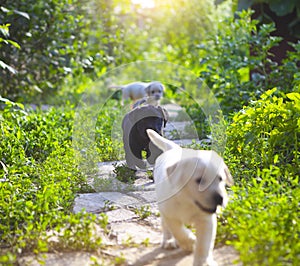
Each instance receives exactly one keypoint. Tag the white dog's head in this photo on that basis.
(197, 176)
(201, 176)
(155, 90)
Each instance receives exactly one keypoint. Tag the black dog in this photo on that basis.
(135, 138)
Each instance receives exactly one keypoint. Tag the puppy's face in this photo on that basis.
(208, 191)
(202, 181)
(155, 91)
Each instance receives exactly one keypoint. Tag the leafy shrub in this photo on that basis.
(109, 132)
(237, 64)
(260, 221)
(263, 154)
(52, 46)
(200, 121)
(39, 181)
(266, 133)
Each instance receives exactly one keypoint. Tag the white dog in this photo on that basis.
(190, 185)
(152, 92)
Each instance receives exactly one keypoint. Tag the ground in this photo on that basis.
(134, 228)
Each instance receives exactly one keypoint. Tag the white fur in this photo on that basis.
(189, 184)
(152, 92)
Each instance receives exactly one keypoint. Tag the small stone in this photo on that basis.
(120, 215)
(90, 202)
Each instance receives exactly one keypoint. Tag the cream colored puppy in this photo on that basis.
(152, 91)
(190, 185)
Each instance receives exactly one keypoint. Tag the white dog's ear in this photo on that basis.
(229, 178)
(174, 174)
(181, 172)
(148, 88)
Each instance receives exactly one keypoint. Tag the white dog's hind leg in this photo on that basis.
(184, 237)
(125, 96)
(206, 232)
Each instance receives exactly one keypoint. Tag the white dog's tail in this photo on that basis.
(160, 142)
(115, 87)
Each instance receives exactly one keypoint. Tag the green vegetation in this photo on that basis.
(39, 181)
(143, 212)
(52, 52)
(237, 76)
(124, 174)
(263, 154)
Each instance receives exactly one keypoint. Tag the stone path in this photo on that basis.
(134, 227)
(127, 223)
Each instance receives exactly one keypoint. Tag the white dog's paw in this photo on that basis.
(169, 244)
(188, 243)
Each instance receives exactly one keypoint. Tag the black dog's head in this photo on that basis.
(145, 117)
(135, 138)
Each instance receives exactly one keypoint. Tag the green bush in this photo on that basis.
(261, 220)
(236, 63)
(52, 42)
(266, 133)
(109, 132)
(200, 121)
(263, 155)
(39, 179)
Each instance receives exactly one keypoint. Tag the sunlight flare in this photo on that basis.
(144, 3)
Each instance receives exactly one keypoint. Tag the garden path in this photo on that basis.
(134, 227)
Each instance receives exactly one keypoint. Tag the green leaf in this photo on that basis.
(4, 30)
(19, 135)
(13, 43)
(276, 157)
(5, 100)
(268, 93)
(9, 68)
(4, 167)
(4, 9)
(294, 96)
(23, 14)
